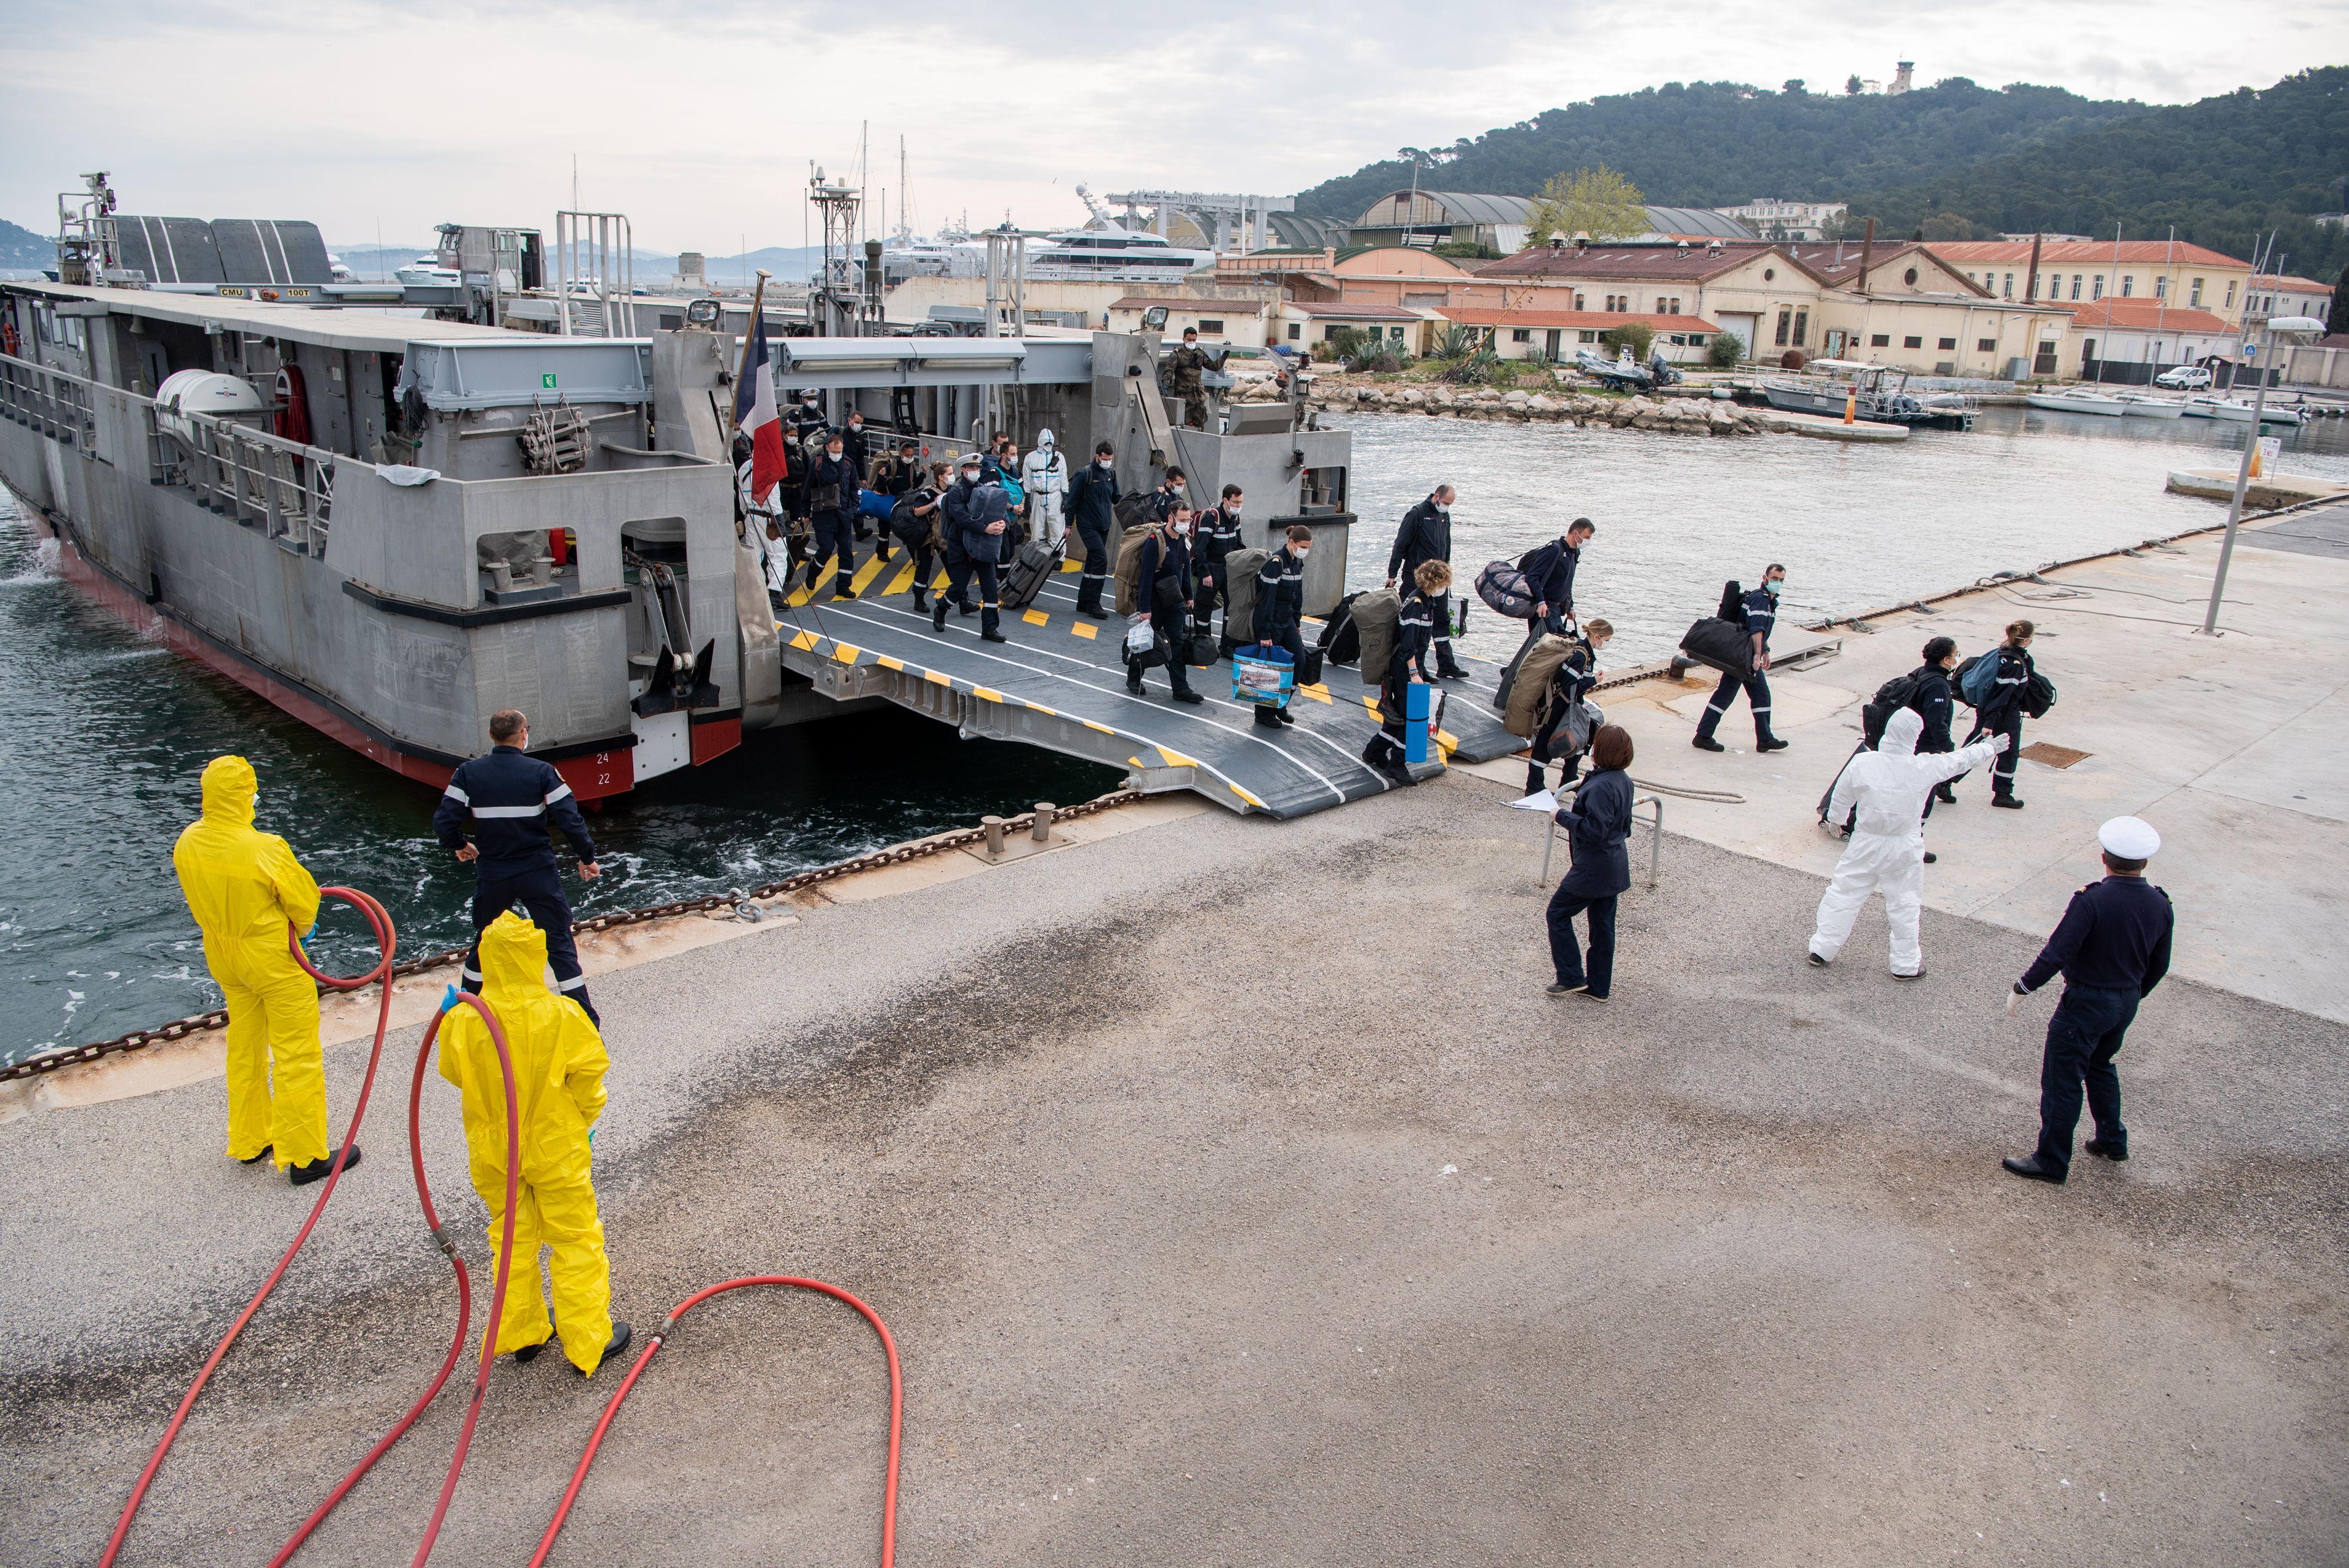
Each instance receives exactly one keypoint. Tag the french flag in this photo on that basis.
(755, 416)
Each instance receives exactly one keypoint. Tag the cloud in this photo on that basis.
(702, 124)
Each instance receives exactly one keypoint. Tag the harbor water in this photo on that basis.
(106, 732)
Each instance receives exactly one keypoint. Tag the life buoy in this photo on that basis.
(292, 416)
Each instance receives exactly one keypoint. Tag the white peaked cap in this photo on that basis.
(2129, 838)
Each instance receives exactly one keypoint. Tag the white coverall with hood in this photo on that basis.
(1044, 475)
(1886, 849)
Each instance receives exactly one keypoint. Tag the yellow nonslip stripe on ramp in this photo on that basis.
(934, 679)
(886, 662)
(986, 694)
(844, 653)
(805, 640)
(1035, 617)
(1072, 566)
(866, 572)
(904, 578)
(1177, 760)
(1105, 729)
(1084, 628)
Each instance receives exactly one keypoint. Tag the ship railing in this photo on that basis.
(281, 487)
(60, 406)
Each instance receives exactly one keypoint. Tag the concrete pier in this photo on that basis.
(1237, 1195)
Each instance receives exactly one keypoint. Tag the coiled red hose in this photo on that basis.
(896, 1405)
(386, 941)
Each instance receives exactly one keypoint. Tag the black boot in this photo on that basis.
(920, 593)
(938, 614)
(1268, 718)
(303, 1175)
(842, 587)
(1133, 680)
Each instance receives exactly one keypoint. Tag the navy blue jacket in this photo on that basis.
(843, 474)
(1092, 498)
(1415, 629)
(1549, 574)
(1934, 706)
(1165, 558)
(969, 509)
(1425, 535)
(2006, 695)
(1598, 826)
(1761, 614)
(1219, 536)
(1279, 595)
(2115, 936)
(510, 795)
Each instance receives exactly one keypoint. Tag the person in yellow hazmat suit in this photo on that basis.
(244, 889)
(559, 1064)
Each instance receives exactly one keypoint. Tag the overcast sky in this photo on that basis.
(358, 115)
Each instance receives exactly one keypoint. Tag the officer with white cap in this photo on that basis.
(2113, 948)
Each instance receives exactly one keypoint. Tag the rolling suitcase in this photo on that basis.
(1031, 569)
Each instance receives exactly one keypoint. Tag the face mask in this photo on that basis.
(1102, 462)
(1771, 588)
(970, 476)
(1177, 490)
(1299, 551)
(856, 424)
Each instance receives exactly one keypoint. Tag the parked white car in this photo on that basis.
(2190, 378)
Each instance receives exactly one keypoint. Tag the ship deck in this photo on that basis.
(1060, 683)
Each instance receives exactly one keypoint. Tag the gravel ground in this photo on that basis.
(1237, 1197)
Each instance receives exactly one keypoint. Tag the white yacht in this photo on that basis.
(2143, 405)
(1100, 254)
(2078, 401)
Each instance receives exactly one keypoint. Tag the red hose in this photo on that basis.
(386, 941)
(896, 1405)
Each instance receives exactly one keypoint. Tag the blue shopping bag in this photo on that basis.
(1267, 677)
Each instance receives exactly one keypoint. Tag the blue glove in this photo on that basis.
(449, 999)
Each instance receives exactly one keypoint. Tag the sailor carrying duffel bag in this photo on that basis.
(1378, 613)
(1503, 587)
(1718, 645)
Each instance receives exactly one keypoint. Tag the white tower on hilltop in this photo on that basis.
(1900, 82)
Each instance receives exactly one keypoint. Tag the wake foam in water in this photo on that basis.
(41, 568)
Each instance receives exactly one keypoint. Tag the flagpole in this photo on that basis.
(742, 365)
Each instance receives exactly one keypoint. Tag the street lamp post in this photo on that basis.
(2290, 326)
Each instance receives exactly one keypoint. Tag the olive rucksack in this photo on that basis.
(1376, 615)
(1240, 569)
(1129, 570)
(1523, 715)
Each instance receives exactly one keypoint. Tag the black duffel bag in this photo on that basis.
(1720, 645)
(2038, 695)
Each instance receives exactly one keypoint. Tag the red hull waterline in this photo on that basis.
(592, 775)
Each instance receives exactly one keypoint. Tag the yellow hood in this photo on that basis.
(513, 957)
(229, 787)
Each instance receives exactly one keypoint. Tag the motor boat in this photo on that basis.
(1878, 393)
(1624, 373)
(2140, 406)
(2078, 401)
(426, 272)
(2239, 409)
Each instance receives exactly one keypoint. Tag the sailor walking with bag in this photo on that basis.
(976, 516)
(1092, 513)
(1885, 853)
(1758, 612)
(1415, 629)
(1280, 609)
(1161, 596)
(1426, 535)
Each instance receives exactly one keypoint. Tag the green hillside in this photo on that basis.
(2222, 171)
(1716, 144)
(24, 248)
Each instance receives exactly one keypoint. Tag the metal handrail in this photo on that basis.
(61, 405)
(285, 487)
(1655, 846)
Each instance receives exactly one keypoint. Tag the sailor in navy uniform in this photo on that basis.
(1761, 616)
(2113, 948)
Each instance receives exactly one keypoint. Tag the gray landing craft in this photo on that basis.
(391, 525)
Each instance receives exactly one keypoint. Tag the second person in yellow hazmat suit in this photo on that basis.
(245, 889)
(559, 1064)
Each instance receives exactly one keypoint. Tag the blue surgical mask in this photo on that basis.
(1771, 588)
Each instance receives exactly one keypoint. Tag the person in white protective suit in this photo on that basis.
(1886, 852)
(1044, 475)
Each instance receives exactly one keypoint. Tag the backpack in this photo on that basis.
(1240, 569)
(1733, 603)
(1891, 696)
(2038, 695)
(1129, 570)
(1376, 616)
(1137, 510)
(1342, 640)
(1523, 715)
(1978, 678)
(1503, 587)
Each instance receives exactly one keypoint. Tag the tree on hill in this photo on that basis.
(2221, 171)
(2337, 318)
(1714, 144)
(1598, 202)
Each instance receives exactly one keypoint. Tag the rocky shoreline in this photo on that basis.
(1700, 414)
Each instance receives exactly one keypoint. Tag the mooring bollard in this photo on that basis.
(993, 826)
(1042, 831)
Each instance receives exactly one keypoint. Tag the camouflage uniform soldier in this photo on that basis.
(1183, 369)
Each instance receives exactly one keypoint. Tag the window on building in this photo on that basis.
(1985, 345)
(1912, 343)
(2007, 289)
(1580, 303)
(1585, 337)
(1521, 335)
(2161, 288)
(1949, 343)
(2194, 295)
(1802, 325)
(2045, 365)
(1206, 326)
(1329, 331)
(1909, 277)
(1786, 319)
(2231, 296)
(1396, 334)
(1295, 331)
(2075, 285)
(1680, 339)
(2097, 286)
(1676, 306)
(2128, 287)
(1883, 340)
(1696, 339)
